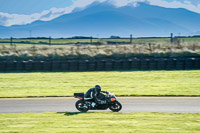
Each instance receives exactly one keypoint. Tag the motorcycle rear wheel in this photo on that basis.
(81, 106)
(116, 107)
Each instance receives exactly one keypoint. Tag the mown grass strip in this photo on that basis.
(100, 122)
(124, 83)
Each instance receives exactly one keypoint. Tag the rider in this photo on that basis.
(93, 93)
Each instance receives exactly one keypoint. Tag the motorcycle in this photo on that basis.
(109, 101)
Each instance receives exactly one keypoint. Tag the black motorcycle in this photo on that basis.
(109, 101)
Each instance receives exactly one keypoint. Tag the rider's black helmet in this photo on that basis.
(98, 88)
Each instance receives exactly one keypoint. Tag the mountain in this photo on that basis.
(104, 20)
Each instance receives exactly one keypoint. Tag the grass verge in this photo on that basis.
(99, 122)
(124, 83)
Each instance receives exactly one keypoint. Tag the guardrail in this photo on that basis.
(102, 65)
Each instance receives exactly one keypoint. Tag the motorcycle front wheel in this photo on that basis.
(116, 107)
(81, 106)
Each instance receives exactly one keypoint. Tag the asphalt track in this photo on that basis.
(130, 104)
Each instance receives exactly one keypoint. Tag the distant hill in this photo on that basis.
(104, 20)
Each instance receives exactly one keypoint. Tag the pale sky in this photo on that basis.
(19, 12)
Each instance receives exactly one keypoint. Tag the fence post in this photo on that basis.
(171, 38)
(49, 40)
(131, 39)
(11, 41)
(91, 40)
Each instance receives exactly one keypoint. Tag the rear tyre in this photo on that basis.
(116, 107)
(81, 106)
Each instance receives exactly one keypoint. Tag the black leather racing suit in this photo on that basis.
(91, 94)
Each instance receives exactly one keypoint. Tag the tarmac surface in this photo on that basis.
(129, 104)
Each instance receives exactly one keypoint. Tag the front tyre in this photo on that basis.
(116, 107)
(81, 106)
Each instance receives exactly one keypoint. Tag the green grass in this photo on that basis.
(129, 83)
(104, 40)
(100, 122)
(68, 41)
